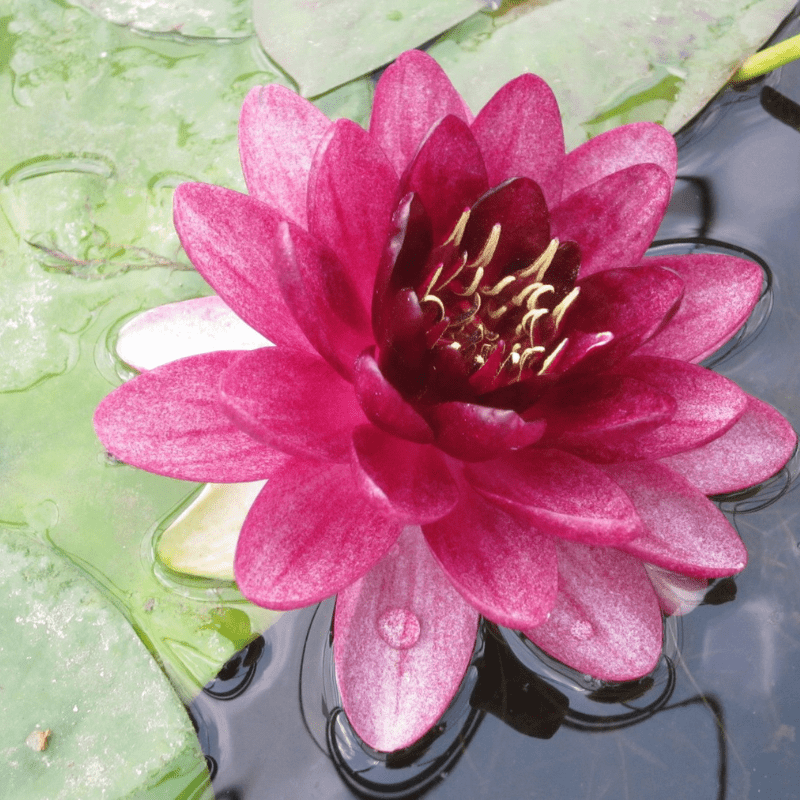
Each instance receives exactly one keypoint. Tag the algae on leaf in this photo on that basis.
(86, 710)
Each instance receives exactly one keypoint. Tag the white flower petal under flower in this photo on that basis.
(186, 328)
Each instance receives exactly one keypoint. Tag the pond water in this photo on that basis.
(718, 718)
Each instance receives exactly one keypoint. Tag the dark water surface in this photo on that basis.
(719, 717)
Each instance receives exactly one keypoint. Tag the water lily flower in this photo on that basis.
(483, 397)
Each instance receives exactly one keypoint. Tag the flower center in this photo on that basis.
(506, 327)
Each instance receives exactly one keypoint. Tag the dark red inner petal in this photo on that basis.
(490, 311)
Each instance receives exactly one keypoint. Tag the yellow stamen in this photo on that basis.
(487, 253)
(560, 309)
(433, 280)
(535, 290)
(531, 317)
(549, 360)
(458, 232)
(432, 298)
(499, 286)
(540, 266)
(498, 312)
(527, 353)
(473, 286)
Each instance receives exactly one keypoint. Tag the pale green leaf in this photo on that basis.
(86, 711)
(325, 44)
(656, 60)
(221, 19)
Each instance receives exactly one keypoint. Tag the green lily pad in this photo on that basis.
(220, 19)
(322, 45)
(86, 711)
(656, 60)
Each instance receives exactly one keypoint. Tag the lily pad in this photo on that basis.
(92, 196)
(221, 19)
(86, 711)
(656, 60)
(325, 43)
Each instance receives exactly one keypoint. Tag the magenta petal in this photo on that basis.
(413, 478)
(412, 95)
(352, 194)
(279, 132)
(403, 639)
(310, 533)
(477, 433)
(292, 401)
(169, 421)
(682, 531)
(615, 219)
(384, 406)
(631, 303)
(325, 301)
(447, 174)
(230, 237)
(606, 621)
(520, 135)
(720, 292)
(707, 405)
(754, 449)
(502, 566)
(593, 417)
(559, 494)
(617, 149)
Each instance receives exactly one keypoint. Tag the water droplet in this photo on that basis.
(399, 628)
(582, 630)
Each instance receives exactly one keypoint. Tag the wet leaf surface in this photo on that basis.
(86, 711)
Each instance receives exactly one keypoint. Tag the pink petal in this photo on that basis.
(384, 406)
(617, 149)
(520, 135)
(413, 478)
(352, 194)
(403, 639)
(447, 174)
(615, 219)
(597, 415)
(279, 132)
(707, 405)
(325, 301)
(169, 421)
(186, 328)
(720, 293)
(230, 238)
(631, 303)
(682, 530)
(292, 401)
(477, 433)
(677, 594)
(754, 449)
(559, 494)
(502, 566)
(606, 621)
(412, 95)
(310, 533)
